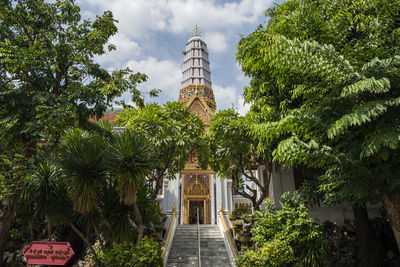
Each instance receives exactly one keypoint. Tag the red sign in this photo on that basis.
(48, 253)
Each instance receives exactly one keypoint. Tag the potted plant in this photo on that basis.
(244, 237)
(155, 237)
(231, 216)
(237, 225)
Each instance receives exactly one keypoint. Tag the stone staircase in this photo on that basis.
(184, 248)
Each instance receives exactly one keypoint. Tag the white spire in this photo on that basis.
(196, 67)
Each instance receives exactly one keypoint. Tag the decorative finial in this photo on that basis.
(196, 31)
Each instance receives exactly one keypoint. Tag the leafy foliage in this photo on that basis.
(290, 225)
(142, 254)
(100, 167)
(48, 68)
(274, 253)
(324, 76)
(232, 152)
(172, 133)
(48, 82)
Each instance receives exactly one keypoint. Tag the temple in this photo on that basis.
(195, 188)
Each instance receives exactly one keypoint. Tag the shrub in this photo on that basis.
(274, 253)
(126, 254)
(292, 225)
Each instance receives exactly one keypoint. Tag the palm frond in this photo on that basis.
(130, 160)
(82, 158)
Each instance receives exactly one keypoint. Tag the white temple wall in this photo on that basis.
(283, 181)
(170, 195)
(222, 197)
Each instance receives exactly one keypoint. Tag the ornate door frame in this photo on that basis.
(196, 190)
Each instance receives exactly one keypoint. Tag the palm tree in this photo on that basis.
(82, 159)
(130, 160)
(47, 191)
(46, 194)
(40, 195)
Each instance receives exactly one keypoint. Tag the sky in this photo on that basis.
(152, 35)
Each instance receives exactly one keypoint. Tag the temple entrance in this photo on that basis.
(196, 194)
(193, 206)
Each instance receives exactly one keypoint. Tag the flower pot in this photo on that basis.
(244, 238)
(237, 227)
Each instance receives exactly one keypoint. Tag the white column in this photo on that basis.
(218, 187)
(166, 193)
(225, 196)
(229, 194)
(213, 200)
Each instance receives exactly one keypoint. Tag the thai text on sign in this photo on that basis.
(48, 253)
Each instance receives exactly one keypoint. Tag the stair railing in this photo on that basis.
(228, 234)
(168, 237)
(198, 236)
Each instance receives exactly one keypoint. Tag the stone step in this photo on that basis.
(184, 248)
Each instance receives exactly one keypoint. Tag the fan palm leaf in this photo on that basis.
(82, 158)
(130, 160)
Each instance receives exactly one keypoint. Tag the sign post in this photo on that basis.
(48, 253)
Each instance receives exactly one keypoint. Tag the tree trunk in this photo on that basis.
(139, 220)
(105, 221)
(100, 239)
(256, 205)
(6, 217)
(48, 228)
(363, 232)
(86, 241)
(392, 207)
(30, 227)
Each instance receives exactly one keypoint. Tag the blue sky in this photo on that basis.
(152, 35)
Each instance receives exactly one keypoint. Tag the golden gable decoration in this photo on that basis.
(196, 188)
(198, 109)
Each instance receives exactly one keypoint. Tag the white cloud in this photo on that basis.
(216, 41)
(210, 15)
(135, 18)
(242, 108)
(140, 21)
(229, 97)
(138, 18)
(165, 75)
(226, 97)
(126, 49)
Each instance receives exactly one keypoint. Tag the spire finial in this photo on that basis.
(196, 31)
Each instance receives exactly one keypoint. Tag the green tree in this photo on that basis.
(172, 133)
(49, 80)
(130, 161)
(232, 152)
(330, 70)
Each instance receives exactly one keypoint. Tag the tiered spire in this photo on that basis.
(196, 75)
